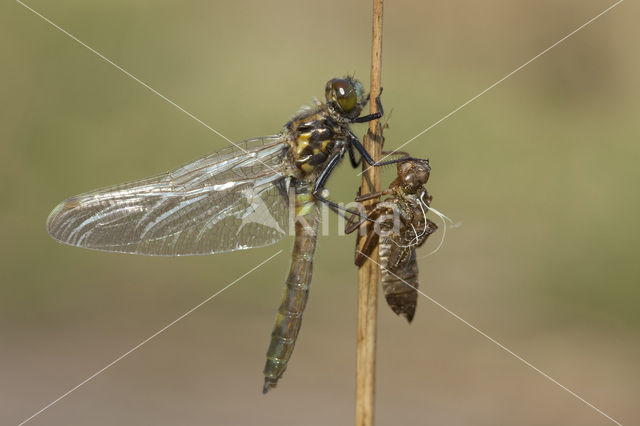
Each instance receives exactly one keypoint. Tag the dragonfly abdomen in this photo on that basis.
(289, 319)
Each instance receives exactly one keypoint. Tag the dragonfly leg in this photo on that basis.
(373, 195)
(335, 206)
(366, 244)
(375, 115)
(352, 156)
(402, 153)
(318, 186)
(353, 139)
(364, 250)
(343, 215)
(353, 222)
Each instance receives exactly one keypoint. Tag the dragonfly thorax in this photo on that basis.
(315, 137)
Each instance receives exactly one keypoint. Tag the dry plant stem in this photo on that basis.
(368, 274)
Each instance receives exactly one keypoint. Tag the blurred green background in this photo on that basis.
(541, 171)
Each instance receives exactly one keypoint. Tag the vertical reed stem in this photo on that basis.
(368, 274)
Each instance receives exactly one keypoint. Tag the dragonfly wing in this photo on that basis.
(229, 200)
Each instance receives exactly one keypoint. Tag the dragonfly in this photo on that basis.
(235, 199)
(401, 226)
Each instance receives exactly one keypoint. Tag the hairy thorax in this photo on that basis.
(314, 137)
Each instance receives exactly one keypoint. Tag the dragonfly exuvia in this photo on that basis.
(403, 226)
(234, 199)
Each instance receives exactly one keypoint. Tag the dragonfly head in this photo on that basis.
(345, 96)
(414, 174)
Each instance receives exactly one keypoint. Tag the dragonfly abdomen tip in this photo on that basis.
(268, 384)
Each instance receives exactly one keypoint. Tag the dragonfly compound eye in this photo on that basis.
(343, 92)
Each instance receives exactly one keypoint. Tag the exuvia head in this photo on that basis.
(345, 96)
(414, 174)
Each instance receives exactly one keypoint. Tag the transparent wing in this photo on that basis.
(229, 200)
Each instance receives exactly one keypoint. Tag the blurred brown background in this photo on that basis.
(542, 171)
